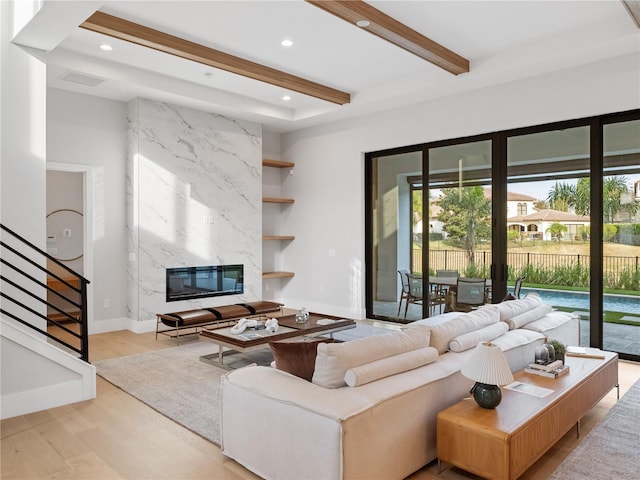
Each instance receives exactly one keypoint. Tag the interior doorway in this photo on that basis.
(69, 230)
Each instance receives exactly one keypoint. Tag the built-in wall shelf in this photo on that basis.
(277, 200)
(277, 163)
(278, 237)
(269, 275)
(268, 162)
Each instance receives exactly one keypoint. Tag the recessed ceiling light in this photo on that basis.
(105, 47)
(286, 43)
(363, 23)
(286, 98)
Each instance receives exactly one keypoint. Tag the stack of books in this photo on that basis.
(552, 370)
(584, 352)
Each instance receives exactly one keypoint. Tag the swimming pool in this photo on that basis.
(580, 300)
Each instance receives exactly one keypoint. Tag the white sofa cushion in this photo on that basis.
(386, 367)
(334, 359)
(536, 313)
(512, 308)
(471, 339)
(516, 338)
(549, 321)
(443, 333)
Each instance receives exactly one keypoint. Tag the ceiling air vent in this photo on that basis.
(81, 79)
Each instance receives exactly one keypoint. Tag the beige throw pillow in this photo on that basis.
(386, 367)
(471, 339)
(443, 333)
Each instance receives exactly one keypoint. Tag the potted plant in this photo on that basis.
(559, 347)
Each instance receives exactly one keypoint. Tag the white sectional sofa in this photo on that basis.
(383, 426)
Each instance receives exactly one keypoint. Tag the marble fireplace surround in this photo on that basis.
(194, 197)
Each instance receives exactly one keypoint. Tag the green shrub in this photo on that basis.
(608, 232)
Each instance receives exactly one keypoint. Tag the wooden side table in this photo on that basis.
(503, 443)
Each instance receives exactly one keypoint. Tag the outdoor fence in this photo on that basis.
(545, 268)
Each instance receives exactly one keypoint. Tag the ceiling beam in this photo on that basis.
(393, 31)
(633, 8)
(139, 34)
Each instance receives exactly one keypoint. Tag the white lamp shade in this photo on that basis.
(487, 364)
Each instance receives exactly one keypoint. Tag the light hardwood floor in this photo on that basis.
(117, 437)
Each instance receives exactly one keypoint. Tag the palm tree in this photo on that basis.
(582, 202)
(562, 196)
(557, 230)
(613, 198)
(616, 195)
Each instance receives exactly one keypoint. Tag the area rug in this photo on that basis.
(611, 450)
(177, 384)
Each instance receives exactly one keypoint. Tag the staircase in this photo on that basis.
(44, 336)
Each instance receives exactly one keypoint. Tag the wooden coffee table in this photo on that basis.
(503, 443)
(251, 339)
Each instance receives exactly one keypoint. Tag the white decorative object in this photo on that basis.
(272, 325)
(243, 324)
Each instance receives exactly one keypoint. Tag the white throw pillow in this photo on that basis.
(549, 321)
(443, 333)
(334, 359)
(529, 316)
(471, 339)
(512, 308)
(386, 367)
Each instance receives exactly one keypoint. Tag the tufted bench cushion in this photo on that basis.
(201, 317)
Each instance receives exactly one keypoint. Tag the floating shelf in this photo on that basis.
(278, 237)
(277, 163)
(277, 200)
(268, 275)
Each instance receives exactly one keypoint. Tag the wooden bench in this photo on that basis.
(192, 320)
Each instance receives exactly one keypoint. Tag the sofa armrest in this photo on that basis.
(274, 432)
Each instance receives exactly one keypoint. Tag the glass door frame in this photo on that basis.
(499, 178)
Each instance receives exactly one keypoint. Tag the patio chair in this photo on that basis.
(415, 291)
(470, 293)
(516, 289)
(442, 290)
(404, 293)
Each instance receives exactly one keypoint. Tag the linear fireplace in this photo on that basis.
(185, 283)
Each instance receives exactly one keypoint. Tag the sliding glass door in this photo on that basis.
(621, 237)
(395, 226)
(547, 219)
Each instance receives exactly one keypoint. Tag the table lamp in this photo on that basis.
(488, 366)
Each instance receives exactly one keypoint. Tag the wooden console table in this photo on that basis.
(503, 443)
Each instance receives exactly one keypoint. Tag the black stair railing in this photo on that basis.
(65, 301)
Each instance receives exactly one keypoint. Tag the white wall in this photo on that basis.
(22, 151)
(329, 181)
(91, 132)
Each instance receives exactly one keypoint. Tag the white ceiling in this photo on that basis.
(503, 40)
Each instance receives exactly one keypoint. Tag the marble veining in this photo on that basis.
(194, 195)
